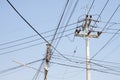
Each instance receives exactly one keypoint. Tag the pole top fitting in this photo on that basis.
(86, 16)
(48, 45)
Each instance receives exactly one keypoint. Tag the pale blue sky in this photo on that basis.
(44, 15)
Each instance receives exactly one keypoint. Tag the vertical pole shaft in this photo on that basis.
(87, 59)
(47, 59)
(87, 51)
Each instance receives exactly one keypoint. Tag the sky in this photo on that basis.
(19, 44)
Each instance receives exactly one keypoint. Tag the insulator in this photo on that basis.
(88, 32)
(99, 33)
(90, 16)
(86, 16)
(77, 31)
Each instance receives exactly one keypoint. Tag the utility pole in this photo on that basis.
(47, 60)
(86, 30)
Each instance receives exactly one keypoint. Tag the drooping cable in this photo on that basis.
(35, 29)
(27, 21)
(25, 38)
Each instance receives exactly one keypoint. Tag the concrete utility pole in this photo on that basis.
(47, 60)
(86, 30)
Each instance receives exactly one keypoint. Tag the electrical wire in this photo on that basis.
(30, 46)
(6, 43)
(111, 37)
(111, 65)
(40, 38)
(105, 67)
(14, 41)
(32, 40)
(83, 59)
(67, 22)
(44, 38)
(60, 21)
(14, 68)
(90, 7)
(101, 11)
(104, 45)
(73, 66)
(111, 17)
(38, 71)
(35, 30)
(27, 22)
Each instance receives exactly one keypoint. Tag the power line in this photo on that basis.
(111, 37)
(67, 22)
(27, 22)
(60, 21)
(111, 17)
(111, 65)
(14, 41)
(35, 29)
(38, 71)
(105, 67)
(30, 46)
(14, 68)
(105, 45)
(102, 11)
(85, 68)
(95, 60)
(90, 7)
(33, 40)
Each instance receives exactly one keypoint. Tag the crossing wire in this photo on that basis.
(104, 45)
(101, 11)
(34, 40)
(60, 21)
(111, 17)
(14, 41)
(90, 7)
(38, 71)
(109, 68)
(98, 70)
(27, 22)
(111, 37)
(35, 30)
(31, 45)
(14, 68)
(40, 38)
(75, 5)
